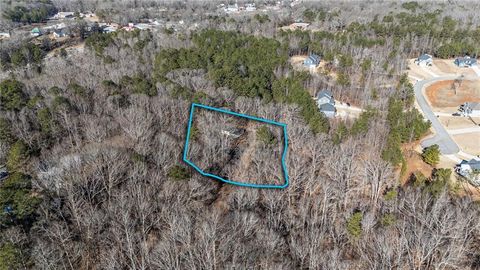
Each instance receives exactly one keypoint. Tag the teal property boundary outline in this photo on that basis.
(285, 147)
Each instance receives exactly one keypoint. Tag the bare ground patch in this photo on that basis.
(442, 94)
(447, 66)
(458, 122)
(468, 142)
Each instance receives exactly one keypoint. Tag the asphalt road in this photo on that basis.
(442, 138)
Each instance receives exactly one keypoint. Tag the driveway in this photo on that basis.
(441, 137)
(464, 130)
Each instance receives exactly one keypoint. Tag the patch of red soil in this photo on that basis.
(443, 94)
(414, 163)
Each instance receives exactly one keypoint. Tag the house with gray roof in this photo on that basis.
(424, 60)
(58, 33)
(470, 170)
(471, 109)
(466, 61)
(312, 61)
(326, 103)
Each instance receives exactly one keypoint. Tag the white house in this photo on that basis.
(4, 35)
(63, 15)
(326, 103)
(231, 8)
(471, 109)
(250, 7)
(470, 170)
(58, 33)
(424, 60)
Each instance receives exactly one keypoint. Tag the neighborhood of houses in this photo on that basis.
(324, 99)
(62, 24)
(230, 8)
(467, 168)
(425, 60)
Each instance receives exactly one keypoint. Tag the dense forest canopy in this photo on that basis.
(92, 134)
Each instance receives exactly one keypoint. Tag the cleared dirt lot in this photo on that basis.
(447, 66)
(297, 63)
(442, 94)
(455, 122)
(417, 71)
(468, 142)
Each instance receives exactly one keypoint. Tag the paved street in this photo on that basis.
(441, 137)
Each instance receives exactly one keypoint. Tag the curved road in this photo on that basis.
(442, 137)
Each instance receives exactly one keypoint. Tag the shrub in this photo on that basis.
(388, 220)
(17, 156)
(360, 126)
(431, 155)
(419, 180)
(60, 102)
(138, 85)
(178, 172)
(10, 257)
(45, 120)
(266, 136)
(440, 178)
(98, 42)
(15, 193)
(340, 134)
(77, 89)
(12, 96)
(6, 135)
(390, 195)
(354, 224)
(55, 90)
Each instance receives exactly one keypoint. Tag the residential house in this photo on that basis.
(58, 33)
(466, 61)
(424, 60)
(231, 8)
(63, 15)
(4, 35)
(35, 32)
(129, 27)
(250, 7)
(470, 170)
(471, 109)
(298, 26)
(326, 103)
(312, 61)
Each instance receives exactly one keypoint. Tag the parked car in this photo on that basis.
(456, 114)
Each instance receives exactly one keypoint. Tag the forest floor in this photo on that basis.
(237, 152)
(414, 162)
